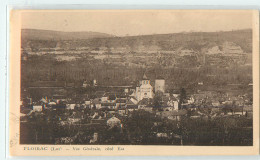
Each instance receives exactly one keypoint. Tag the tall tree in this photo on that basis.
(183, 96)
(157, 100)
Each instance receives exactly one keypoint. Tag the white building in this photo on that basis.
(94, 82)
(104, 98)
(87, 102)
(70, 106)
(37, 108)
(85, 84)
(145, 90)
(173, 104)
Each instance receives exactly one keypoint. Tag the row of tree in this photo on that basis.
(141, 128)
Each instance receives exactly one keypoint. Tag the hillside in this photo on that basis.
(35, 34)
(183, 59)
(197, 41)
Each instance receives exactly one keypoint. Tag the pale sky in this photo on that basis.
(137, 22)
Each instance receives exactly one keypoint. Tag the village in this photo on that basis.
(167, 89)
(110, 107)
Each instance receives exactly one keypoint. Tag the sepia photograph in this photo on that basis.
(135, 78)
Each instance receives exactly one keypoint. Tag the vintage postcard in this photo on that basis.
(134, 82)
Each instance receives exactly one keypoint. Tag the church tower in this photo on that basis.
(145, 80)
(160, 85)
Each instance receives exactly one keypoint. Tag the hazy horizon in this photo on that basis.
(139, 34)
(134, 23)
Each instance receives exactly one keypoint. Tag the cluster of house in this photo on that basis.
(142, 97)
(107, 109)
(139, 98)
(96, 121)
(214, 99)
